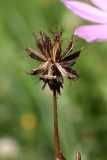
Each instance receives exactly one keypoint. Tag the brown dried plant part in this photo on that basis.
(55, 64)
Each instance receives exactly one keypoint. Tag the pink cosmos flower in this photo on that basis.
(96, 14)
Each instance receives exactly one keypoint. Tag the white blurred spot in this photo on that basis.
(9, 148)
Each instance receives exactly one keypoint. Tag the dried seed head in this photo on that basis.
(55, 64)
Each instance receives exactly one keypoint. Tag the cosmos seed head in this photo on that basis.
(55, 63)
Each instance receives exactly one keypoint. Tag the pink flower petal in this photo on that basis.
(92, 32)
(86, 11)
(101, 4)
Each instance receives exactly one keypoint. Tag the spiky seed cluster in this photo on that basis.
(55, 64)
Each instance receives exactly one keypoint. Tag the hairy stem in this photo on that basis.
(56, 134)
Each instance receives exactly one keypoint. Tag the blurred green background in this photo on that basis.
(26, 112)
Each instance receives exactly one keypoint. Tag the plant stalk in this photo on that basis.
(56, 134)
